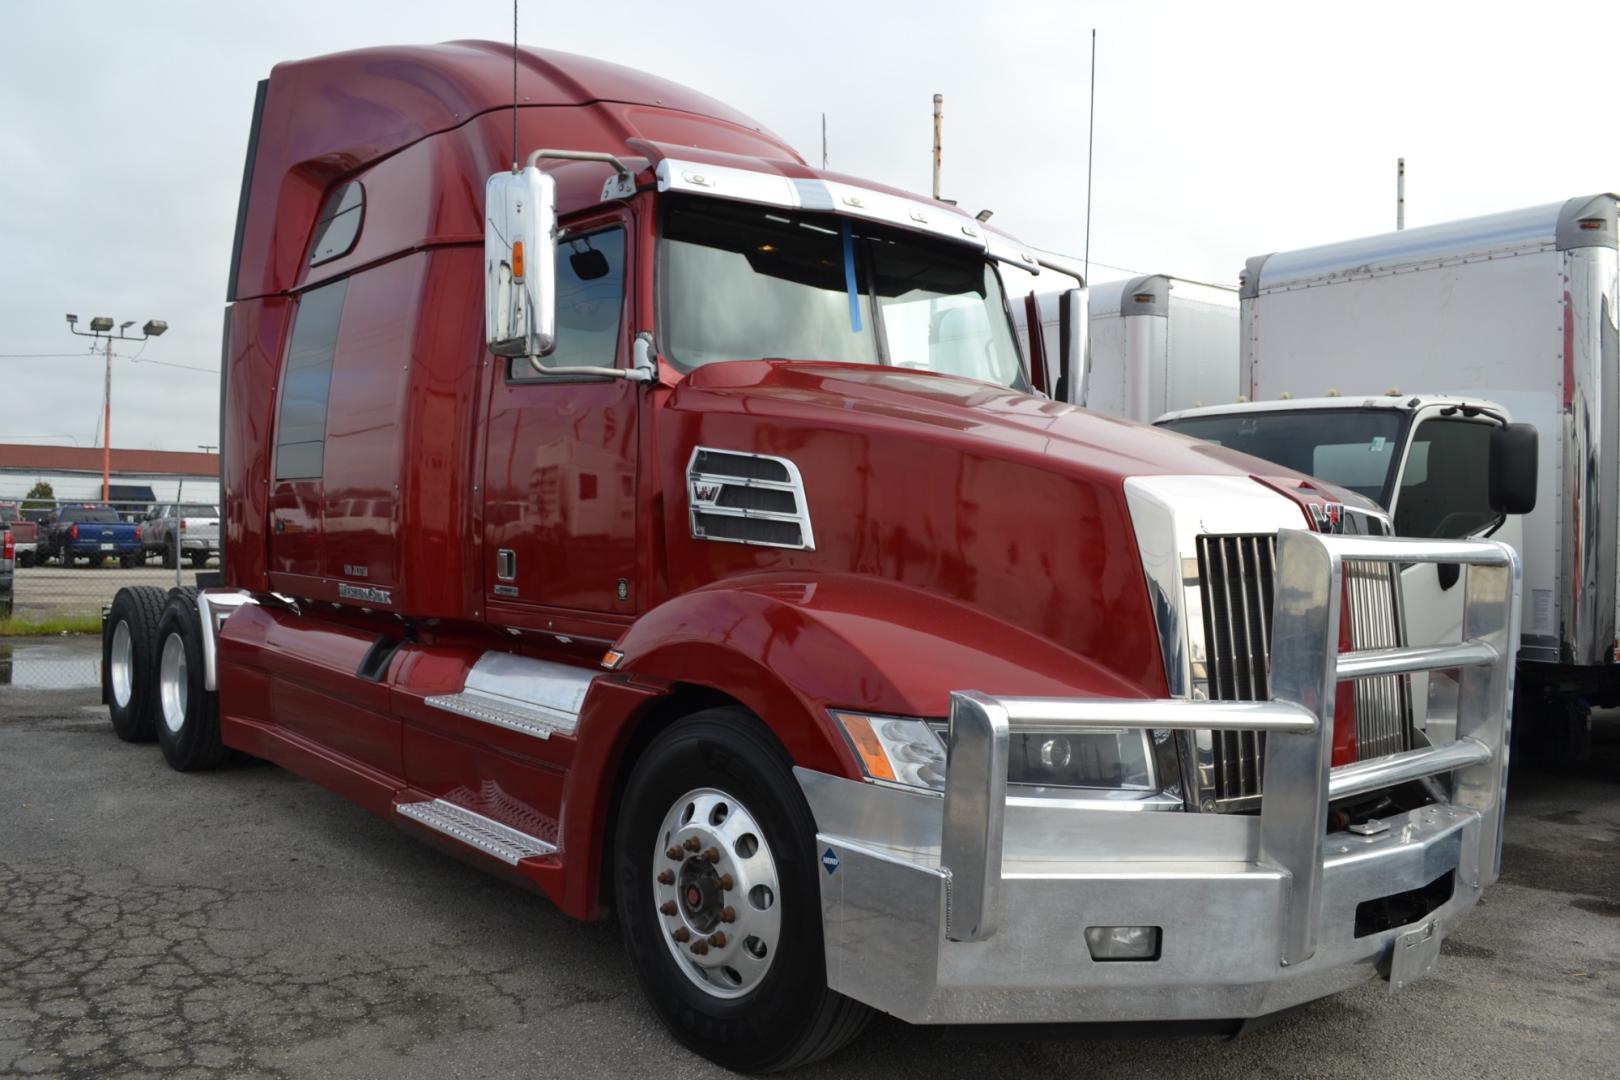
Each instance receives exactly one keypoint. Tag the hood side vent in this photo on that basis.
(748, 499)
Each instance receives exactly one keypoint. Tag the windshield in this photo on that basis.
(8, 514)
(1354, 448)
(741, 282)
(199, 510)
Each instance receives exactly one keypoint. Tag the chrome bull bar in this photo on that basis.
(1300, 780)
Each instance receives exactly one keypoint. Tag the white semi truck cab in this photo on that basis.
(1445, 468)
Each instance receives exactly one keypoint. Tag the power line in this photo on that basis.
(134, 359)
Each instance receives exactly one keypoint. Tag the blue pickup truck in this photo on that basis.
(90, 534)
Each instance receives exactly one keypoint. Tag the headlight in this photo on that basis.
(898, 751)
(912, 752)
(1118, 759)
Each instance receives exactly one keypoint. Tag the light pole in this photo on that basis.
(101, 327)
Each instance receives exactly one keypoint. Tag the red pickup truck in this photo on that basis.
(656, 520)
(24, 533)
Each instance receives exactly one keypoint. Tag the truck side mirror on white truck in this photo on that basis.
(520, 254)
(1072, 337)
(1513, 468)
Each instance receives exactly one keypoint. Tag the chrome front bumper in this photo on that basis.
(972, 908)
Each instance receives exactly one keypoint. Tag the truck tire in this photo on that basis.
(66, 558)
(199, 559)
(25, 560)
(719, 902)
(187, 714)
(171, 555)
(128, 562)
(129, 662)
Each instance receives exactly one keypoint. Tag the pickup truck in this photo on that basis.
(24, 533)
(170, 529)
(8, 552)
(91, 533)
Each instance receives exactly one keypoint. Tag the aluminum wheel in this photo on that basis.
(121, 665)
(716, 891)
(172, 683)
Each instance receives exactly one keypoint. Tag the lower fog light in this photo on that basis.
(1123, 942)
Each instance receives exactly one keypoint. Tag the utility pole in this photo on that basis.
(824, 141)
(101, 327)
(1400, 193)
(939, 116)
(106, 430)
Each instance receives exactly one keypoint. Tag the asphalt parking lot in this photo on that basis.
(248, 924)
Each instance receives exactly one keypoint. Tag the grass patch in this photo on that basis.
(23, 626)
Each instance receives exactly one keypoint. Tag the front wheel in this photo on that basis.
(719, 902)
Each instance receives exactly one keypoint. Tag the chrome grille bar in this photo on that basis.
(1237, 578)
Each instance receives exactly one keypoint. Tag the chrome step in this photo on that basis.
(504, 712)
(535, 697)
(476, 830)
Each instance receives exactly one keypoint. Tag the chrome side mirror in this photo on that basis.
(1072, 337)
(520, 256)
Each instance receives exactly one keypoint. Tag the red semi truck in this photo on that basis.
(642, 514)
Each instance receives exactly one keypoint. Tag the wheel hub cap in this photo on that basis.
(121, 664)
(172, 684)
(715, 888)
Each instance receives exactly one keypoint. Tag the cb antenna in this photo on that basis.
(514, 85)
(1091, 125)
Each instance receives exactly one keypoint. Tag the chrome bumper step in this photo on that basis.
(475, 830)
(534, 720)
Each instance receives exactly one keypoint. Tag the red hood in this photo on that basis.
(1009, 503)
(929, 406)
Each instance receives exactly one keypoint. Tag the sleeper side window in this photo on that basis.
(590, 304)
(1445, 493)
(306, 383)
(338, 226)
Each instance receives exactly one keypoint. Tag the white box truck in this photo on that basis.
(1159, 343)
(1518, 308)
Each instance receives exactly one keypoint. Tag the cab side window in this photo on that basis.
(306, 383)
(1444, 488)
(590, 304)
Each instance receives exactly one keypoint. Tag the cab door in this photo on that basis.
(1443, 494)
(559, 490)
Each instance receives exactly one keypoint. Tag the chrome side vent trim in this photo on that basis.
(747, 499)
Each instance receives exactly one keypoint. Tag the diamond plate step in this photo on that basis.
(476, 830)
(534, 720)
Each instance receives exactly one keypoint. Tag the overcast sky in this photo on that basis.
(1223, 131)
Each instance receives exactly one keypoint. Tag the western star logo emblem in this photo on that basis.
(1329, 517)
(830, 860)
(364, 593)
(705, 492)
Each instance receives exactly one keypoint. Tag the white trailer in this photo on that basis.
(1519, 308)
(1159, 343)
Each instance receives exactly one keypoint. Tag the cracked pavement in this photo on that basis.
(248, 924)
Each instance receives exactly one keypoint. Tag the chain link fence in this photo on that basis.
(72, 557)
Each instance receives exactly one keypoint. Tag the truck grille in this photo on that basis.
(1238, 579)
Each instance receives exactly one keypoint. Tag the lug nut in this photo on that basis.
(692, 843)
(681, 934)
(666, 877)
(667, 908)
(718, 939)
(675, 854)
(711, 855)
(726, 883)
(700, 947)
(728, 914)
